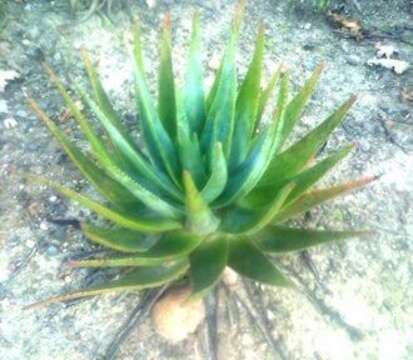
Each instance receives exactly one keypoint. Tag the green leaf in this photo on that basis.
(247, 222)
(110, 189)
(249, 173)
(148, 198)
(119, 239)
(146, 225)
(265, 96)
(221, 102)
(189, 150)
(245, 258)
(103, 100)
(98, 146)
(309, 177)
(296, 106)
(317, 197)
(160, 146)
(169, 247)
(247, 104)
(166, 85)
(141, 278)
(291, 162)
(208, 261)
(281, 239)
(304, 181)
(134, 157)
(219, 176)
(194, 98)
(199, 216)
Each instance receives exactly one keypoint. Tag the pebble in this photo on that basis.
(53, 198)
(21, 113)
(10, 123)
(52, 250)
(43, 226)
(3, 106)
(151, 3)
(353, 60)
(213, 64)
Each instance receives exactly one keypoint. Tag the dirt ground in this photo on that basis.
(356, 299)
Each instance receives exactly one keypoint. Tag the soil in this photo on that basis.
(355, 299)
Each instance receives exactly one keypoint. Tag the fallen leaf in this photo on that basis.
(6, 76)
(353, 26)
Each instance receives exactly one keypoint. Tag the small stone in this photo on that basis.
(44, 226)
(353, 60)
(21, 113)
(26, 42)
(151, 3)
(52, 250)
(230, 277)
(213, 64)
(175, 317)
(53, 198)
(10, 123)
(3, 106)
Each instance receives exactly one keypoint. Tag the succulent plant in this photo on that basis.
(213, 185)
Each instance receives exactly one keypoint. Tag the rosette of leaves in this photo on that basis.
(213, 185)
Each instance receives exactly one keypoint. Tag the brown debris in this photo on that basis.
(353, 26)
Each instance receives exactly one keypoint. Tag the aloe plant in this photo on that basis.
(213, 186)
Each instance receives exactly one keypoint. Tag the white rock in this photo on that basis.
(398, 66)
(151, 3)
(3, 106)
(6, 76)
(10, 123)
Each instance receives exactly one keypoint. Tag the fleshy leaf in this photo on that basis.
(249, 173)
(281, 239)
(317, 197)
(219, 125)
(148, 225)
(109, 188)
(219, 176)
(247, 222)
(208, 261)
(248, 260)
(296, 106)
(199, 216)
(134, 157)
(123, 240)
(166, 86)
(103, 100)
(169, 247)
(310, 176)
(265, 96)
(292, 160)
(304, 181)
(194, 98)
(141, 278)
(95, 141)
(159, 144)
(190, 150)
(247, 104)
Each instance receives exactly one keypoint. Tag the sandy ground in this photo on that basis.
(358, 301)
